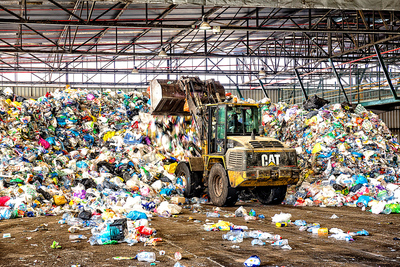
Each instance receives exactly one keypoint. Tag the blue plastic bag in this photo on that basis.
(136, 215)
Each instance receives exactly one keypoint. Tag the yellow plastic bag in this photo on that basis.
(171, 168)
(107, 215)
(108, 136)
(222, 225)
(59, 200)
(317, 148)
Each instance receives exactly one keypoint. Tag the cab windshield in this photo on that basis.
(242, 120)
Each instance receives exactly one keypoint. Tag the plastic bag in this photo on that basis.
(59, 200)
(282, 217)
(314, 102)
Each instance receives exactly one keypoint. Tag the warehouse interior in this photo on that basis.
(82, 152)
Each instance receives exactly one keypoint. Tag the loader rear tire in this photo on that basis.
(271, 195)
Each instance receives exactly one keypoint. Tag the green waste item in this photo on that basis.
(55, 245)
(19, 181)
(395, 208)
(111, 242)
(14, 214)
(338, 125)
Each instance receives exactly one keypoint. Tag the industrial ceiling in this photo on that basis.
(53, 42)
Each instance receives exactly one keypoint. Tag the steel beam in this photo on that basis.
(43, 36)
(338, 79)
(237, 86)
(187, 27)
(385, 71)
(263, 88)
(66, 10)
(174, 55)
(133, 40)
(301, 84)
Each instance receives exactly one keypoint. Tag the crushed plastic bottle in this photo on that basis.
(74, 237)
(281, 242)
(257, 242)
(213, 214)
(146, 256)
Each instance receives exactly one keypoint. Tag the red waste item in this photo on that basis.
(3, 200)
(143, 230)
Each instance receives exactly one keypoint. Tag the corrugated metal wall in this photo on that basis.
(392, 120)
(36, 92)
(257, 94)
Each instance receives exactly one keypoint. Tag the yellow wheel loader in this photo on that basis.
(232, 156)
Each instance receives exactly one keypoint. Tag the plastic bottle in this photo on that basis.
(146, 256)
(303, 228)
(5, 213)
(75, 222)
(258, 242)
(276, 237)
(300, 222)
(281, 242)
(213, 214)
(265, 236)
(382, 195)
(236, 239)
(73, 237)
(387, 210)
(234, 236)
(362, 232)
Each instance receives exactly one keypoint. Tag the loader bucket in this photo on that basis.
(167, 98)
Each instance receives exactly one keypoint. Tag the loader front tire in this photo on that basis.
(192, 180)
(221, 193)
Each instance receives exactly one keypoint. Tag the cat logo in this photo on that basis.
(270, 160)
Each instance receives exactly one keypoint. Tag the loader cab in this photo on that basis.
(229, 120)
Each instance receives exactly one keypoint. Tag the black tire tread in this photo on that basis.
(229, 195)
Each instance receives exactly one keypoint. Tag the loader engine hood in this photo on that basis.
(245, 154)
(259, 142)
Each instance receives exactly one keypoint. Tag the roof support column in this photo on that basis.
(385, 71)
(263, 88)
(301, 84)
(338, 79)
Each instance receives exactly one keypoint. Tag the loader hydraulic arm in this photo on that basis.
(170, 98)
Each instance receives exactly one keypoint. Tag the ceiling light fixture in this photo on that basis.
(204, 24)
(135, 70)
(262, 72)
(162, 53)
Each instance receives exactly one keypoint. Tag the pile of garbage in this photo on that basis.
(100, 156)
(347, 157)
